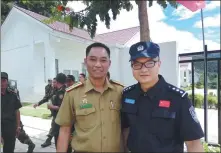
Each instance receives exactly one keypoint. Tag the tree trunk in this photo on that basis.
(143, 19)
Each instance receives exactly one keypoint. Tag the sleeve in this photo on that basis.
(124, 117)
(17, 102)
(65, 116)
(190, 128)
(45, 98)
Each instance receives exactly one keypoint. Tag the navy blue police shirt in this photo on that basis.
(160, 120)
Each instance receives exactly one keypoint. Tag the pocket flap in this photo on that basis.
(160, 113)
(85, 111)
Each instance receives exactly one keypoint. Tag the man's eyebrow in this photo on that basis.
(98, 57)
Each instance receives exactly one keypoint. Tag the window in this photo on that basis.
(75, 73)
(56, 67)
(184, 73)
(184, 80)
(67, 72)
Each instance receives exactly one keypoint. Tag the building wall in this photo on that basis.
(17, 54)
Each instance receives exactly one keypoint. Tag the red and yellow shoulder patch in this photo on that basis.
(78, 84)
(116, 82)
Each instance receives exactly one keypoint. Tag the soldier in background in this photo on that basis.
(10, 115)
(56, 103)
(70, 80)
(46, 98)
(22, 136)
(82, 77)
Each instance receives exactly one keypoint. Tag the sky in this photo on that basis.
(171, 24)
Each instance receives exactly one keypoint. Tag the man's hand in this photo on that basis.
(2, 141)
(35, 105)
(50, 106)
(18, 130)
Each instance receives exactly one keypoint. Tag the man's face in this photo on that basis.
(54, 83)
(4, 83)
(97, 62)
(81, 78)
(144, 74)
(69, 82)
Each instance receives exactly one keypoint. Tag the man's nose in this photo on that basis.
(98, 64)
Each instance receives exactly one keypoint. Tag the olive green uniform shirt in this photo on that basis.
(96, 116)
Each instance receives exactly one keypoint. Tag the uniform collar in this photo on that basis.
(155, 90)
(89, 85)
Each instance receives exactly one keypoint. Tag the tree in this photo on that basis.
(87, 17)
(43, 7)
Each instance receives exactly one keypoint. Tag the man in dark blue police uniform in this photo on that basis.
(156, 116)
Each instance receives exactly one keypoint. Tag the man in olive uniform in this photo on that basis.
(56, 103)
(10, 115)
(157, 116)
(93, 107)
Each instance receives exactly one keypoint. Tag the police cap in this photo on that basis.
(144, 49)
(61, 78)
(4, 75)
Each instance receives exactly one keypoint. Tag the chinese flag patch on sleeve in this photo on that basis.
(164, 103)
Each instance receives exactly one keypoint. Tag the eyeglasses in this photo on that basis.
(137, 65)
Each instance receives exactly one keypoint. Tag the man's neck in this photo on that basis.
(3, 91)
(59, 86)
(146, 86)
(98, 83)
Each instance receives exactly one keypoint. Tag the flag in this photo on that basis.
(192, 5)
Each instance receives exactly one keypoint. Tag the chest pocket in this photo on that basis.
(86, 118)
(162, 123)
(130, 113)
(114, 107)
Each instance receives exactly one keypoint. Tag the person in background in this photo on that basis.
(46, 98)
(23, 136)
(10, 115)
(156, 116)
(93, 107)
(56, 103)
(70, 80)
(48, 87)
(82, 77)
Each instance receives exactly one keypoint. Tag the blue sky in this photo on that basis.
(186, 22)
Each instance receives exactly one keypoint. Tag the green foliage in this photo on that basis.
(198, 100)
(87, 17)
(43, 7)
(208, 148)
(212, 101)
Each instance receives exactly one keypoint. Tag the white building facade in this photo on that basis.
(32, 52)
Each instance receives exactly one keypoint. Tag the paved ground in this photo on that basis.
(38, 128)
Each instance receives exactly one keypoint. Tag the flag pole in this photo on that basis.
(205, 81)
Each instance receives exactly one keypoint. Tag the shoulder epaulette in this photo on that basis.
(74, 86)
(129, 88)
(176, 90)
(116, 82)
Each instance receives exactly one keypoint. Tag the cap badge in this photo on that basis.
(140, 48)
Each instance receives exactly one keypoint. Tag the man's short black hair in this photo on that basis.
(97, 44)
(82, 74)
(71, 77)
